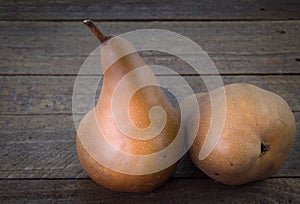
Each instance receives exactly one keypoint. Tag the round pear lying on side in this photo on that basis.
(257, 136)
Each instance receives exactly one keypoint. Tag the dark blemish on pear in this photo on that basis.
(264, 148)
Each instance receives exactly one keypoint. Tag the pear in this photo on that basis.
(256, 138)
(117, 142)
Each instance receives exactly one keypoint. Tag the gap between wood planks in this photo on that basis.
(233, 74)
(151, 20)
(88, 178)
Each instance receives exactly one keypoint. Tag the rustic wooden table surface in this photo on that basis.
(44, 43)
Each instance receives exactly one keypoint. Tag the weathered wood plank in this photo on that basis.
(43, 146)
(174, 191)
(49, 95)
(152, 10)
(263, 47)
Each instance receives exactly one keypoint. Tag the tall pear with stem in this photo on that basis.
(121, 142)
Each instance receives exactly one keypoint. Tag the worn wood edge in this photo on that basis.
(137, 10)
(285, 190)
(235, 47)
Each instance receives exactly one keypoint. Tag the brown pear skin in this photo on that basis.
(140, 104)
(257, 137)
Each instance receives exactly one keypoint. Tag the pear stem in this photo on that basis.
(101, 37)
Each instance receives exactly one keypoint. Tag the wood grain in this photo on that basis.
(150, 10)
(43, 146)
(49, 48)
(53, 94)
(174, 191)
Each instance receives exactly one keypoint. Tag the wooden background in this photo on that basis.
(43, 44)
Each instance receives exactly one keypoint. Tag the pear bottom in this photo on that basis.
(118, 181)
